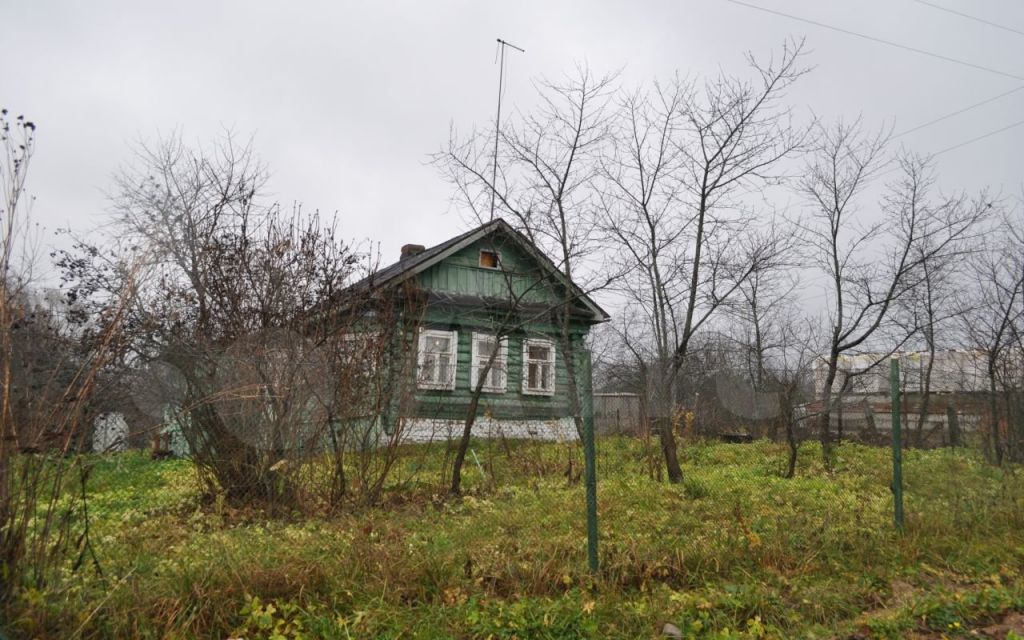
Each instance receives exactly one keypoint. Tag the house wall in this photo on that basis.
(461, 273)
(511, 413)
(512, 404)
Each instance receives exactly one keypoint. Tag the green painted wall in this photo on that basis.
(461, 274)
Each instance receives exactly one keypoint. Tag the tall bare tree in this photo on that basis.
(798, 342)
(870, 264)
(545, 188)
(685, 158)
(931, 308)
(992, 315)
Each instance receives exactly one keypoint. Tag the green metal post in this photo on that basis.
(590, 459)
(897, 444)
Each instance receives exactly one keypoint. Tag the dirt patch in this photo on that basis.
(1012, 622)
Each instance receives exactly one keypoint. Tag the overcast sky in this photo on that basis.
(346, 100)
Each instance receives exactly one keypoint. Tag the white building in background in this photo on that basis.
(957, 371)
(110, 433)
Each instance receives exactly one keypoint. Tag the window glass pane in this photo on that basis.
(484, 348)
(428, 368)
(436, 344)
(533, 375)
(538, 352)
(489, 259)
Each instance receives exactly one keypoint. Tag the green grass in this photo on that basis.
(736, 551)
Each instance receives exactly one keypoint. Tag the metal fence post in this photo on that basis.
(897, 444)
(590, 459)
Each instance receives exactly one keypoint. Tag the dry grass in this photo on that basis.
(736, 551)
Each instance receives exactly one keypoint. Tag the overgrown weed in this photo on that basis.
(734, 552)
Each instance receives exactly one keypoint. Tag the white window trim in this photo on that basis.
(480, 258)
(550, 391)
(453, 337)
(501, 362)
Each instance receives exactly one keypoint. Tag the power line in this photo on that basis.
(981, 137)
(890, 43)
(959, 111)
(934, 154)
(970, 17)
(896, 44)
(952, 148)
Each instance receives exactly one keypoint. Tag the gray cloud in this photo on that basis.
(345, 100)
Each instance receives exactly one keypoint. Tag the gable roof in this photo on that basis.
(415, 264)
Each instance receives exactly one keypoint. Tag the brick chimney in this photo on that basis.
(410, 250)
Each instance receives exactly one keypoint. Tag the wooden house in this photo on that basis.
(484, 290)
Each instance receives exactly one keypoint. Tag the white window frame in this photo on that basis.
(480, 256)
(500, 363)
(538, 342)
(453, 337)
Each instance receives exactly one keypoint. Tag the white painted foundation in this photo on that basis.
(432, 430)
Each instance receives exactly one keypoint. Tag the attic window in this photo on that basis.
(489, 259)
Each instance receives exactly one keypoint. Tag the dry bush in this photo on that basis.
(49, 373)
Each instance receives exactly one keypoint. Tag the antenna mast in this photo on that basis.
(497, 120)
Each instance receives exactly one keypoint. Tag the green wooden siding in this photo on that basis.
(512, 403)
(461, 275)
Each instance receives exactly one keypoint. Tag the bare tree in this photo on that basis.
(793, 370)
(252, 308)
(507, 316)
(545, 189)
(991, 315)
(766, 295)
(932, 307)
(870, 264)
(172, 199)
(46, 406)
(766, 324)
(675, 206)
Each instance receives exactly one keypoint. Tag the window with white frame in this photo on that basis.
(538, 367)
(484, 346)
(438, 355)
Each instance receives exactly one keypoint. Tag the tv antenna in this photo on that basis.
(502, 45)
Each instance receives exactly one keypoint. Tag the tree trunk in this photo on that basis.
(825, 419)
(839, 414)
(668, 450)
(790, 425)
(926, 393)
(953, 424)
(467, 431)
(467, 427)
(993, 407)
